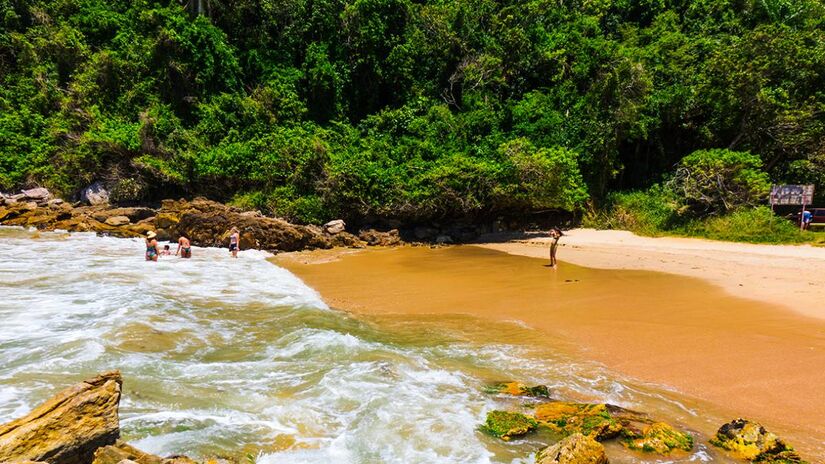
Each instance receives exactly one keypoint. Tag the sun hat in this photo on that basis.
(151, 234)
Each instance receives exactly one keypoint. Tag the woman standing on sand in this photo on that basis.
(152, 251)
(234, 242)
(555, 234)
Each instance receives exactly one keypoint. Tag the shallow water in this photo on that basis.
(240, 358)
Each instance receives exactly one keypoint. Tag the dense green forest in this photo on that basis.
(417, 110)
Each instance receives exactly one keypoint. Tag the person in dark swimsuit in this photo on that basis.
(152, 251)
(234, 242)
(184, 248)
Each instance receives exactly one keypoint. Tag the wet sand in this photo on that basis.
(792, 276)
(742, 357)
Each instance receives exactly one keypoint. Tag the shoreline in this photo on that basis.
(790, 276)
(741, 357)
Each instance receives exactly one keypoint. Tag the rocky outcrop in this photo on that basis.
(204, 222)
(507, 425)
(751, 441)
(575, 449)
(208, 223)
(69, 427)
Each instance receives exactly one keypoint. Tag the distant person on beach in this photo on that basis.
(555, 234)
(807, 217)
(152, 251)
(184, 248)
(234, 242)
(166, 251)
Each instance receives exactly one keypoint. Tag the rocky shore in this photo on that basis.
(80, 425)
(204, 222)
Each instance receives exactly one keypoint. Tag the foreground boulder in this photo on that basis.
(749, 440)
(69, 427)
(507, 425)
(575, 449)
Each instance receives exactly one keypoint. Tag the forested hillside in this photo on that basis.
(412, 109)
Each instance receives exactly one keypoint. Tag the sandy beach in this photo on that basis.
(736, 327)
(782, 275)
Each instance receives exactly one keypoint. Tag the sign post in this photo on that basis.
(793, 195)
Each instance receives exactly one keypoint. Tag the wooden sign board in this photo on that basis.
(792, 194)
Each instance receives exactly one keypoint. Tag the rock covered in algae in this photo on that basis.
(519, 389)
(658, 437)
(593, 420)
(575, 449)
(506, 425)
(751, 441)
(68, 427)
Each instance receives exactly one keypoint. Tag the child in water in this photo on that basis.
(166, 251)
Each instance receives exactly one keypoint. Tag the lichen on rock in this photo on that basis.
(593, 420)
(506, 425)
(658, 438)
(751, 441)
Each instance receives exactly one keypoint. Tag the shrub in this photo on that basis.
(720, 181)
(755, 225)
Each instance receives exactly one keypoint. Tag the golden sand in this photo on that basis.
(743, 357)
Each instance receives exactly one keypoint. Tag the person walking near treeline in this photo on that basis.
(234, 242)
(555, 235)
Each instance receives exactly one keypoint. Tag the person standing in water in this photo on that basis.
(555, 234)
(184, 248)
(152, 251)
(234, 242)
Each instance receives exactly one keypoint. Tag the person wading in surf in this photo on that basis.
(234, 242)
(184, 248)
(555, 234)
(152, 251)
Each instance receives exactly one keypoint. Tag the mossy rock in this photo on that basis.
(518, 389)
(575, 449)
(506, 425)
(751, 441)
(657, 438)
(592, 420)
